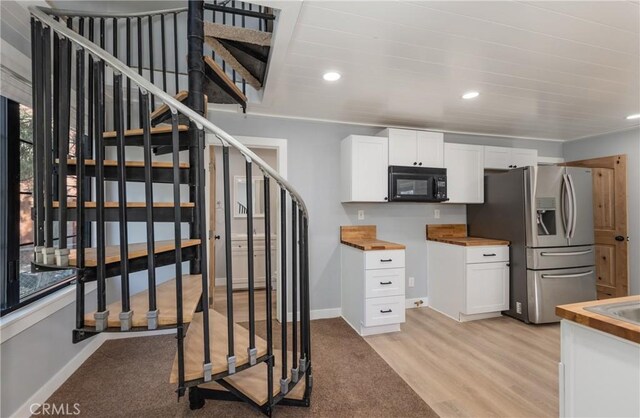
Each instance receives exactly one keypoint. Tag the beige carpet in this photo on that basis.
(129, 378)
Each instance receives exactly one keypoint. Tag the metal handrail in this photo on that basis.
(201, 122)
(75, 13)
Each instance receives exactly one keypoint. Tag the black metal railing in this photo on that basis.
(74, 54)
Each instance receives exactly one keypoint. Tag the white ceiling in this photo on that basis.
(556, 70)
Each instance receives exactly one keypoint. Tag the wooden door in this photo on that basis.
(212, 223)
(610, 223)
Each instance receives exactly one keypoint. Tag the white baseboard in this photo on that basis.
(410, 303)
(63, 374)
(319, 314)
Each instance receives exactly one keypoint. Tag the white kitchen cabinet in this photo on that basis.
(364, 169)
(414, 148)
(373, 289)
(467, 283)
(465, 173)
(239, 254)
(503, 158)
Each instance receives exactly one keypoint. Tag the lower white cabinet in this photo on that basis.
(239, 262)
(373, 289)
(467, 283)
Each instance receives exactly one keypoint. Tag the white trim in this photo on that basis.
(319, 314)
(68, 369)
(550, 160)
(410, 303)
(630, 128)
(14, 323)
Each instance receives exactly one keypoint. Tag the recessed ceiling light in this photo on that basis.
(331, 76)
(470, 95)
(636, 116)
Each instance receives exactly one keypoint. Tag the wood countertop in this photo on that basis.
(456, 234)
(576, 312)
(363, 237)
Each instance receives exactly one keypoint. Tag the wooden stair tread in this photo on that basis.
(110, 204)
(179, 97)
(112, 252)
(138, 132)
(194, 347)
(166, 304)
(223, 76)
(114, 163)
(252, 382)
(235, 33)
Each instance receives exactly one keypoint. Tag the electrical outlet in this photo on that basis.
(518, 307)
(360, 215)
(436, 213)
(412, 281)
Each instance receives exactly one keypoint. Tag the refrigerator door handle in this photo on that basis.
(567, 276)
(564, 253)
(574, 206)
(567, 212)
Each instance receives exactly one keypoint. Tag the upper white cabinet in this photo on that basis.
(414, 148)
(364, 162)
(502, 158)
(465, 173)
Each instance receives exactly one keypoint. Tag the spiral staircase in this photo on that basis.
(120, 105)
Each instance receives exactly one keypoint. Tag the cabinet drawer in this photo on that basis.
(487, 254)
(387, 259)
(383, 311)
(384, 282)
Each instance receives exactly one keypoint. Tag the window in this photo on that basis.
(20, 283)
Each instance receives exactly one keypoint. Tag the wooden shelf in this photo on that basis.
(194, 347)
(166, 304)
(110, 204)
(154, 131)
(114, 163)
(112, 252)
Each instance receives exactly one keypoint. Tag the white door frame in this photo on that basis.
(280, 145)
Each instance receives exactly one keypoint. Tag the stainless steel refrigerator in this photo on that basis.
(547, 214)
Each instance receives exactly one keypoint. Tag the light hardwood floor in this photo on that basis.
(241, 304)
(496, 367)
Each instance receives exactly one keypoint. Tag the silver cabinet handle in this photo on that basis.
(566, 276)
(544, 253)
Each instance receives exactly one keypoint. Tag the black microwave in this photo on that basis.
(417, 184)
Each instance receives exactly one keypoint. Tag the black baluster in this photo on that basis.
(128, 29)
(151, 64)
(47, 146)
(303, 306)
(307, 317)
(125, 314)
(294, 291)
(90, 88)
(284, 381)
(79, 184)
(152, 314)
(38, 132)
(227, 240)
(102, 68)
(102, 314)
(163, 54)
(175, 51)
(268, 288)
(252, 317)
(139, 21)
(63, 107)
(175, 143)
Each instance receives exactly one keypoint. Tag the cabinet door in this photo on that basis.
(370, 175)
(486, 288)
(524, 157)
(465, 173)
(430, 149)
(402, 147)
(497, 158)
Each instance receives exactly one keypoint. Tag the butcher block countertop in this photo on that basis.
(576, 312)
(364, 237)
(456, 234)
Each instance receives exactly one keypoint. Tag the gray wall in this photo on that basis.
(314, 169)
(626, 142)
